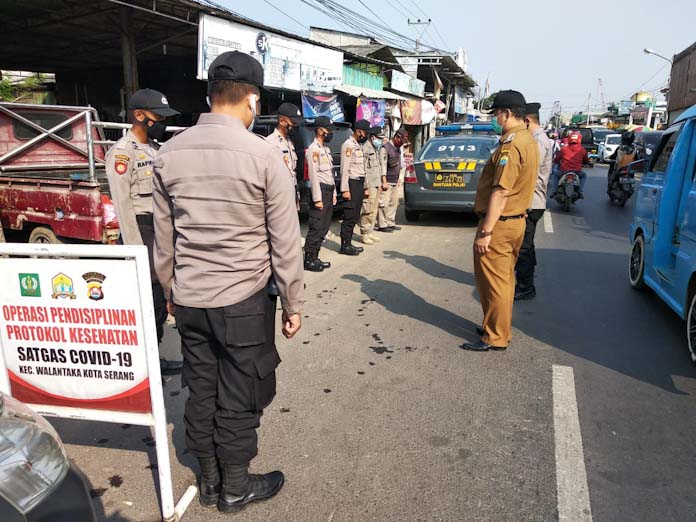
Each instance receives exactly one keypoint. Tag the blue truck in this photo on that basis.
(663, 231)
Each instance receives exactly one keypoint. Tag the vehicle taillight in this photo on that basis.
(305, 174)
(109, 217)
(410, 175)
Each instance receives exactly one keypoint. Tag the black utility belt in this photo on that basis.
(505, 218)
(144, 219)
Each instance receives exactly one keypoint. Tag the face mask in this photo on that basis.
(377, 144)
(362, 139)
(496, 126)
(252, 106)
(156, 130)
(328, 137)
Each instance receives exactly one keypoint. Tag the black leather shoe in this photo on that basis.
(395, 228)
(480, 346)
(349, 250)
(525, 295)
(209, 482)
(261, 487)
(385, 229)
(313, 265)
(170, 367)
(358, 249)
(480, 330)
(324, 264)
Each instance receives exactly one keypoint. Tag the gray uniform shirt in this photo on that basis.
(352, 162)
(129, 168)
(287, 148)
(545, 164)
(225, 217)
(375, 168)
(319, 168)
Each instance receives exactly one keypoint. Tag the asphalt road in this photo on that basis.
(380, 416)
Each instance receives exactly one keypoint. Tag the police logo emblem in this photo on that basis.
(62, 287)
(121, 167)
(94, 282)
(164, 100)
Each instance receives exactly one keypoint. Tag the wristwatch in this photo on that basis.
(483, 234)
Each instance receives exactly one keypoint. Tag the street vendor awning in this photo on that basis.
(365, 92)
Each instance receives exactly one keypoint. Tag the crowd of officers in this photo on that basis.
(216, 206)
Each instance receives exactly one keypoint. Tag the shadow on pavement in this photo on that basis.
(585, 307)
(399, 300)
(433, 268)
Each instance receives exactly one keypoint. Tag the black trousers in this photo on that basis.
(229, 367)
(319, 221)
(526, 262)
(352, 208)
(147, 232)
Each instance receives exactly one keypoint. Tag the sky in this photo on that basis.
(548, 50)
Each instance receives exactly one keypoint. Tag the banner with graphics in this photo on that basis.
(72, 333)
(314, 105)
(372, 111)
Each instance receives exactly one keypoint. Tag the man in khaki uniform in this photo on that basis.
(129, 167)
(375, 182)
(503, 196)
(289, 118)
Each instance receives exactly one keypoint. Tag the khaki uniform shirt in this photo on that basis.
(288, 150)
(375, 166)
(545, 164)
(225, 217)
(514, 166)
(129, 168)
(352, 162)
(319, 168)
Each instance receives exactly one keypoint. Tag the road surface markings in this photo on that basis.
(548, 224)
(571, 476)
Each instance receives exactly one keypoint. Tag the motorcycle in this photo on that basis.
(568, 191)
(624, 183)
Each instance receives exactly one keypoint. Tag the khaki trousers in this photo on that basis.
(388, 203)
(368, 214)
(495, 280)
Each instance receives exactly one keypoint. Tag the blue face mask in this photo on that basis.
(377, 144)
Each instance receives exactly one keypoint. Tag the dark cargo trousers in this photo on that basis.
(352, 208)
(319, 220)
(147, 233)
(229, 367)
(524, 270)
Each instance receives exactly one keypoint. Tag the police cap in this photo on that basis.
(290, 110)
(376, 131)
(533, 109)
(508, 100)
(362, 125)
(324, 122)
(236, 67)
(151, 100)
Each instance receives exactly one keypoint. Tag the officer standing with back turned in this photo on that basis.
(129, 167)
(222, 201)
(503, 196)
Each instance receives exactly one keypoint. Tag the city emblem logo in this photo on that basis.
(29, 285)
(94, 285)
(62, 287)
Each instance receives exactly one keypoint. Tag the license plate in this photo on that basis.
(449, 180)
(627, 180)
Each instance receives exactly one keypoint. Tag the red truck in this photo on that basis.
(53, 185)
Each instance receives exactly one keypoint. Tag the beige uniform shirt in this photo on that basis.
(352, 162)
(320, 168)
(375, 165)
(545, 164)
(225, 217)
(287, 148)
(129, 169)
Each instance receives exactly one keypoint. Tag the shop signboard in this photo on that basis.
(314, 105)
(372, 111)
(406, 83)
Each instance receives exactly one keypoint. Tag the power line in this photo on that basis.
(376, 15)
(287, 15)
(419, 8)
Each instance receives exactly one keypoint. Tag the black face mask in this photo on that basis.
(156, 130)
(362, 139)
(328, 137)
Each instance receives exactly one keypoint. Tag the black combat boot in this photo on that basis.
(239, 488)
(208, 481)
(347, 249)
(311, 263)
(324, 264)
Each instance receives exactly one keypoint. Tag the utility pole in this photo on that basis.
(419, 22)
(589, 100)
(602, 96)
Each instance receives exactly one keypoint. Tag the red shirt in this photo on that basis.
(572, 157)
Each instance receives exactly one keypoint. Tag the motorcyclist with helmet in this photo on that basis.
(623, 155)
(570, 158)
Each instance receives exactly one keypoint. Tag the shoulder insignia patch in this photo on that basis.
(349, 152)
(121, 166)
(503, 160)
(123, 157)
(315, 157)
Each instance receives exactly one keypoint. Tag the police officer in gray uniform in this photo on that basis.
(289, 118)
(222, 200)
(129, 167)
(353, 184)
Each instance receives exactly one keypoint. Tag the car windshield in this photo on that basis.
(600, 134)
(613, 140)
(652, 139)
(474, 148)
(586, 135)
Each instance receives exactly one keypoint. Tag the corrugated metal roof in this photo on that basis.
(369, 93)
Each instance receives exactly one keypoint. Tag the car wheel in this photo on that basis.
(691, 329)
(44, 235)
(636, 268)
(412, 215)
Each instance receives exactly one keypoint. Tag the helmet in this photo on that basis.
(575, 137)
(628, 137)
